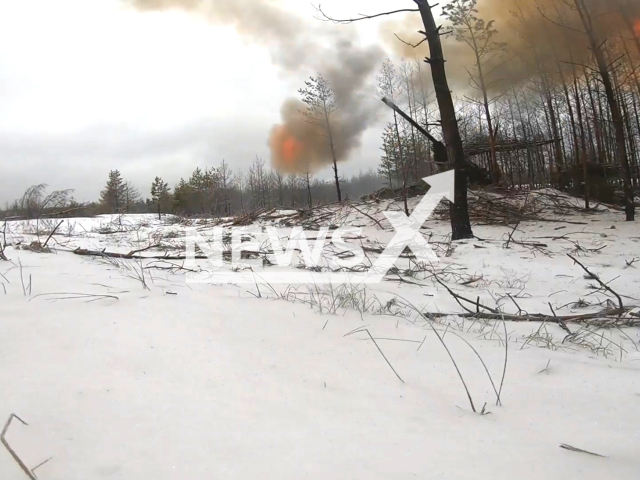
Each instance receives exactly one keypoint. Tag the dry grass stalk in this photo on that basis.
(15, 456)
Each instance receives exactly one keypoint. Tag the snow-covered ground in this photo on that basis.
(124, 370)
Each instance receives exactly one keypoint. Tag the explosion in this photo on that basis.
(290, 150)
(300, 45)
(296, 146)
(287, 152)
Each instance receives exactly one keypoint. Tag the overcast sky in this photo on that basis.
(91, 85)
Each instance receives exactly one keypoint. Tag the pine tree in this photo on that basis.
(160, 194)
(389, 167)
(113, 196)
(182, 197)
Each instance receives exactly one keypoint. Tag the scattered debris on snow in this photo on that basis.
(534, 325)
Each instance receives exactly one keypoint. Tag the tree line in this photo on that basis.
(213, 191)
(556, 104)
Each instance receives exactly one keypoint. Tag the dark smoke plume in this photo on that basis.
(529, 28)
(300, 46)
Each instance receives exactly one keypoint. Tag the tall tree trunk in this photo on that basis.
(525, 137)
(425, 107)
(459, 210)
(403, 167)
(616, 116)
(574, 132)
(309, 199)
(596, 119)
(557, 144)
(634, 73)
(333, 155)
(411, 105)
(496, 172)
(583, 146)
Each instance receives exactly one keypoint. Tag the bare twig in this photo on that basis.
(597, 279)
(545, 369)
(323, 16)
(74, 296)
(506, 359)
(33, 470)
(412, 45)
(574, 449)
(367, 215)
(358, 330)
(15, 456)
(51, 234)
(460, 297)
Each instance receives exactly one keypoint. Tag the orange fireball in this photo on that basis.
(286, 149)
(636, 27)
(290, 150)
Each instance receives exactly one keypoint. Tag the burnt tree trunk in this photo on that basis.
(459, 210)
(333, 156)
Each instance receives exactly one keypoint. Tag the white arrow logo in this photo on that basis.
(408, 228)
(407, 235)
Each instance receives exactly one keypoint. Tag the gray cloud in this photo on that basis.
(81, 161)
(166, 94)
(300, 45)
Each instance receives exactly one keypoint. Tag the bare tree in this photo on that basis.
(479, 36)
(226, 177)
(32, 199)
(596, 44)
(239, 183)
(388, 86)
(131, 196)
(459, 210)
(280, 186)
(321, 104)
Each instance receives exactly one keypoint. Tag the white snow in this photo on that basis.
(196, 381)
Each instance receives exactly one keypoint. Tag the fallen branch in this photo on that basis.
(134, 254)
(368, 216)
(536, 317)
(140, 250)
(51, 234)
(494, 314)
(460, 297)
(602, 284)
(130, 255)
